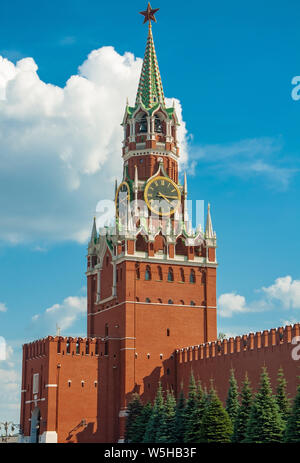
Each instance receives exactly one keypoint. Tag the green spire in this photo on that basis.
(150, 91)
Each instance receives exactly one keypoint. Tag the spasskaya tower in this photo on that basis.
(151, 277)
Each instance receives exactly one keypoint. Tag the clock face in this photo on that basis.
(162, 196)
(122, 199)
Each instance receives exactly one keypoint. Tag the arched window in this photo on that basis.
(170, 301)
(68, 347)
(77, 347)
(87, 348)
(106, 330)
(148, 300)
(140, 244)
(160, 301)
(160, 274)
(192, 276)
(143, 124)
(148, 273)
(137, 299)
(182, 275)
(180, 247)
(168, 332)
(193, 303)
(137, 271)
(170, 274)
(182, 301)
(158, 128)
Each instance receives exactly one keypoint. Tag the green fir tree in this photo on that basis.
(216, 424)
(155, 419)
(180, 418)
(292, 432)
(243, 415)
(265, 423)
(190, 411)
(166, 431)
(194, 412)
(139, 425)
(232, 401)
(133, 411)
(282, 399)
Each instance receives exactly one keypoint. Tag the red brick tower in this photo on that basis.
(151, 278)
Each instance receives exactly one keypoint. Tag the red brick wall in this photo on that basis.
(249, 353)
(63, 407)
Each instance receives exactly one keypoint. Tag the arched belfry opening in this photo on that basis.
(142, 123)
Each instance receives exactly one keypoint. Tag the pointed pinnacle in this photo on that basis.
(209, 228)
(185, 184)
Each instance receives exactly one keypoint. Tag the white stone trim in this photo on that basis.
(48, 437)
(128, 348)
(35, 400)
(161, 260)
(51, 385)
(103, 301)
(158, 151)
(150, 303)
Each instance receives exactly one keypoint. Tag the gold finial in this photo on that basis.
(149, 14)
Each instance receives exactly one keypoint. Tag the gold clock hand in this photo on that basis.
(163, 196)
(172, 197)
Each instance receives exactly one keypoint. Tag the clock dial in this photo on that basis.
(122, 199)
(162, 196)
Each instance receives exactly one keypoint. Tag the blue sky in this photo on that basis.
(230, 66)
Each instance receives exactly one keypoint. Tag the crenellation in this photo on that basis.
(272, 337)
(212, 349)
(237, 344)
(231, 345)
(265, 338)
(296, 330)
(247, 342)
(224, 347)
(65, 345)
(251, 341)
(257, 340)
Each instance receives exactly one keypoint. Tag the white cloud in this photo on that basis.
(248, 158)
(64, 315)
(284, 293)
(61, 147)
(3, 307)
(230, 303)
(10, 384)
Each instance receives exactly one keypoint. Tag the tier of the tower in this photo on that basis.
(150, 128)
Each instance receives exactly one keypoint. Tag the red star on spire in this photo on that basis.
(149, 14)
